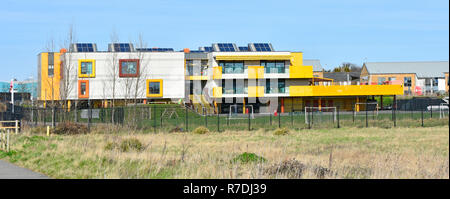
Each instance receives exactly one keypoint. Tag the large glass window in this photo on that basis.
(232, 67)
(233, 86)
(86, 68)
(83, 88)
(129, 68)
(273, 66)
(190, 67)
(279, 87)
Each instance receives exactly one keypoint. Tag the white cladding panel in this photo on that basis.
(168, 66)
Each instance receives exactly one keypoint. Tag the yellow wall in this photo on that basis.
(255, 91)
(296, 69)
(255, 72)
(217, 72)
(347, 90)
(50, 85)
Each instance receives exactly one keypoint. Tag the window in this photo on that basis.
(279, 88)
(154, 88)
(128, 67)
(51, 64)
(392, 78)
(232, 67)
(233, 86)
(50, 70)
(83, 88)
(407, 81)
(204, 65)
(86, 68)
(273, 66)
(381, 80)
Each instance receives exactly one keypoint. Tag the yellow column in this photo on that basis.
(357, 105)
(320, 104)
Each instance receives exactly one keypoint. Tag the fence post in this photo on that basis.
(89, 116)
(186, 119)
(395, 112)
(279, 119)
(367, 122)
(161, 118)
(218, 121)
(206, 119)
(431, 108)
(292, 118)
(7, 142)
(270, 114)
(154, 119)
(249, 123)
(309, 119)
(422, 116)
(337, 117)
(17, 126)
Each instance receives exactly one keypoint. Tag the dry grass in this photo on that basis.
(346, 153)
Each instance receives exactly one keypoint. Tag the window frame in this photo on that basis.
(81, 96)
(121, 61)
(160, 81)
(93, 68)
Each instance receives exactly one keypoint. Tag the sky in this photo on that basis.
(333, 31)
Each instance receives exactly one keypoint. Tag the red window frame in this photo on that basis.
(129, 60)
(79, 89)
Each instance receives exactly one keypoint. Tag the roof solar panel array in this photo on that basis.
(243, 48)
(262, 47)
(226, 47)
(85, 47)
(208, 49)
(122, 47)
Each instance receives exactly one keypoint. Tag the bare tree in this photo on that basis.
(68, 67)
(112, 72)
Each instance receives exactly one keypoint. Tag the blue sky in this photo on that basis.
(332, 31)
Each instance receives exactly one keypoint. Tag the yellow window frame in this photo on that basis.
(160, 87)
(93, 67)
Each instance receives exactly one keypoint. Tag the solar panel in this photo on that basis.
(122, 47)
(155, 49)
(262, 47)
(85, 47)
(243, 48)
(208, 49)
(226, 47)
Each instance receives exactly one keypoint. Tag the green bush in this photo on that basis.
(282, 131)
(201, 130)
(69, 128)
(248, 157)
(111, 146)
(131, 144)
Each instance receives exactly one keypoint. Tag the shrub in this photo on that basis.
(176, 130)
(295, 169)
(282, 131)
(201, 130)
(131, 144)
(69, 128)
(111, 146)
(248, 157)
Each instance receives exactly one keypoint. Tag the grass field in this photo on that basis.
(315, 153)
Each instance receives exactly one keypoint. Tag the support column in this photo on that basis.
(381, 99)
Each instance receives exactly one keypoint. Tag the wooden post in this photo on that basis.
(7, 142)
(17, 126)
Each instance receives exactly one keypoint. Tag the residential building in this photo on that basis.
(418, 78)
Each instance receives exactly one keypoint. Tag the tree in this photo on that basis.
(112, 73)
(68, 67)
(347, 67)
